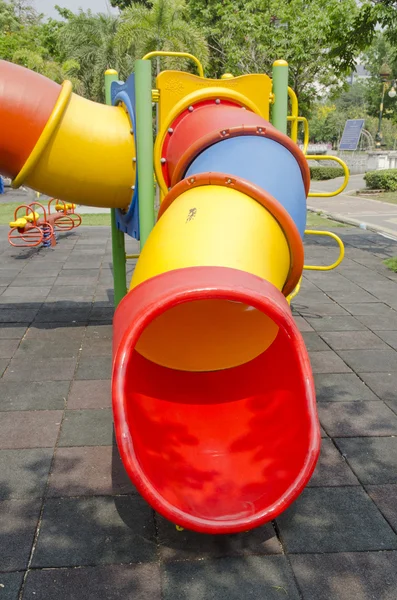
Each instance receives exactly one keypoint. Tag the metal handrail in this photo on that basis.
(178, 55)
(345, 171)
(341, 251)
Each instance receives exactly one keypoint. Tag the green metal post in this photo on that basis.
(144, 139)
(118, 242)
(280, 91)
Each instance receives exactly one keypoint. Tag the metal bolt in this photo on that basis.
(163, 161)
(243, 107)
(169, 189)
(133, 187)
(134, 159)
(192, 180)
(170, 130)
(224, 132)
(228, 181)
(131, 131)
(190, 109)
(260, 130)
(217, 101)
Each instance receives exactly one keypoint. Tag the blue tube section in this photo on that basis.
(261, 161)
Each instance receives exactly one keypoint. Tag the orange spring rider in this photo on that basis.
(31, 228)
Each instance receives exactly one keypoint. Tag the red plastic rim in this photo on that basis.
(152, 298)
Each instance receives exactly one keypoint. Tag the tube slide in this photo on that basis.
(61, 144)
(213, 397)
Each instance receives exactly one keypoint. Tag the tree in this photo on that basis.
(164, 26)
(91, 40)
(122, 4)
(248, 35)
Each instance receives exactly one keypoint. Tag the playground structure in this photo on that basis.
(31, 228)
(213, 396)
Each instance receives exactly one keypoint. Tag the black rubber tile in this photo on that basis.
(332, 470)
(314, 310)
(256, 577)
(95, 531)
(10, 584)
(383, 384)
(385, 498)
(4, 362)
(373, 460)
(34, 348)
(88, 471)
(29, 429)
(380, 322)
(370, 361)
(11, 331)
(353, 340)
(347, 576)
(107, 582)
(330, 323)
(389, 337)
(90, 393)
(95, 367)
(341, 388)
(355, 419)
(87, 428)
(18, 315)
(43, 369)
(367, 309)
(18, 525)
(335, 519)
(23, 473)
(8, 348)
(185, 545)
(327, 362)
(36, 395)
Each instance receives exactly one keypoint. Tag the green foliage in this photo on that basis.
(162, 27)
(247, 36)
(391, 263)
(382, 180)
(322, 173)
(91, 40)
(122, 4)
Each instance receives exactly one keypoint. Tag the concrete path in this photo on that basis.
(362, 211)
(66, 501)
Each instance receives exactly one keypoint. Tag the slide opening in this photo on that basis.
(219, 451)
(207, 335)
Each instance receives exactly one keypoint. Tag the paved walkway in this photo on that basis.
(348, 206)
(67, 503)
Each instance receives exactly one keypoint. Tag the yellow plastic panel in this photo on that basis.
(201, 228)
(88, 159)
(175, 85)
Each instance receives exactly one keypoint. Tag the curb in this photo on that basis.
(354, 222)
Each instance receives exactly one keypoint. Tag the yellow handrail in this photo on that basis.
(294, 114)
(345, 171)
(341, 251)
(295, 292)
(179, 55)
(305, 129)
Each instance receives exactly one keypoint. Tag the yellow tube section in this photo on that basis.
(87, 158)
(201, 228)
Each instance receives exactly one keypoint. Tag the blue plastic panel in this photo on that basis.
(125, 92)
(261, 161)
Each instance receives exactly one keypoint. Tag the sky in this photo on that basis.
(47, 6)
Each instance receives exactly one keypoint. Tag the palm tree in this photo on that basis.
(91, 40)
(163, 26)
(50, 68)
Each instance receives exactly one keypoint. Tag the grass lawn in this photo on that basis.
(317, 221)
(390, 197)
(7, 215)
(314, 220)
(391, 263)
